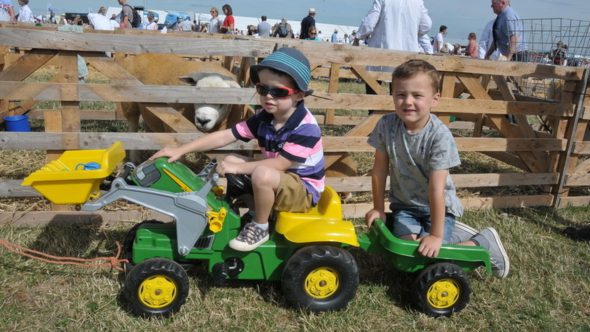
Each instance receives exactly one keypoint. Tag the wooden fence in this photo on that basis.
(502, 123)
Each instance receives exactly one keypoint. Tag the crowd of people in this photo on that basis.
(403, 26)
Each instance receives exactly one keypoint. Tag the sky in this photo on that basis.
(460, 16)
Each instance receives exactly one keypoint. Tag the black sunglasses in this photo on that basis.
(275, 92)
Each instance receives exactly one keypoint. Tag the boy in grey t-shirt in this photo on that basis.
(417, 150)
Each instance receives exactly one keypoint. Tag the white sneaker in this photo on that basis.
(250, 238)
(498, 256)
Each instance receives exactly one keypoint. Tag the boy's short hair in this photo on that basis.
(286, 61)
(411, 68)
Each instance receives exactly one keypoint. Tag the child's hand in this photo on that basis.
(372, 215)
(226, 167)
(430, 246)
(171, 152)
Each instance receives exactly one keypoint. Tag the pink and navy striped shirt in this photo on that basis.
(299, 140)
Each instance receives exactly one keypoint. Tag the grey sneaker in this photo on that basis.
(490, 240)
(250, 238)
(462, 232)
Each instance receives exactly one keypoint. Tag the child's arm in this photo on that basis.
(378, 178)
(430, 245)
(207, 142)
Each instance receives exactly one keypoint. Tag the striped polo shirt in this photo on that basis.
(299, 140)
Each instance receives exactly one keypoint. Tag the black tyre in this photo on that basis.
(442, 289)
(156, 287)
(128, 242)
(320, 278)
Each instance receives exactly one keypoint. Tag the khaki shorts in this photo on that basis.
(292, 195)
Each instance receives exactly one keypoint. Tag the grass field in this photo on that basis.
(547, 288)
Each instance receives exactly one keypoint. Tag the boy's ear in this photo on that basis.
(435, 99)
(300, 95)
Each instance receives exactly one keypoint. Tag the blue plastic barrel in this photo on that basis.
(17, 123)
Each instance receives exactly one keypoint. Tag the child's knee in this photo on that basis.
(265, 176)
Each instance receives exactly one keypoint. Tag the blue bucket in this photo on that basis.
(17, 123)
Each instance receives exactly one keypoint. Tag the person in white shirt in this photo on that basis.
(425, 44)
(214, 22)
(113, 21)
(439, 42)
(99, 21)
(25, 15)
(395, 24)
(486, 39)
(186, 25)
(152, 24)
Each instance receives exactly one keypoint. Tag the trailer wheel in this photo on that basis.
(320, 278)
(442, 289)
(156, 287)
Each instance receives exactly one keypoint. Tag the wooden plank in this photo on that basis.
(53, 124)
(332, 88)
(358, 210)
(84, 114)
(573, 201)
(172, 119)
(523, 124)
(241, 96)
(112, 70)
(582, 148)
(156, 141)
(508, 158)
(477, 203)
(339, 120)
(577, 180)
(362, 129)
(362, 55)
(199, 45)
(67, 72)
(103, 218)
(116, 42)
(318, 71)
(12, 188)
(363, 183)
(364, 75)
(25, 66)
(501, 124)
(447, 91)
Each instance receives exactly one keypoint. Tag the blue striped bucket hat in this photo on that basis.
(289, 61)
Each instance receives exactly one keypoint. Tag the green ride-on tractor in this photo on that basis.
(306, 252)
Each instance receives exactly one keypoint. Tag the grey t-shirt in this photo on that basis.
(411, 159)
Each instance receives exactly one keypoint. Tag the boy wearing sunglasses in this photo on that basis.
(291, 175)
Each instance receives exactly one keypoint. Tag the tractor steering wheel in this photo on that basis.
(239, 183)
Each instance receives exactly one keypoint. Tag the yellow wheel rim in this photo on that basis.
(157, 291)
(443, 293)
(321, 283)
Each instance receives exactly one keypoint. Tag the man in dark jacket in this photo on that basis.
(306, 23)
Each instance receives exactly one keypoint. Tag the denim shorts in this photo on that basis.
(406, 222)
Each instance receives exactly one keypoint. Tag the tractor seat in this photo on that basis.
(323, 223)
(328, 208)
